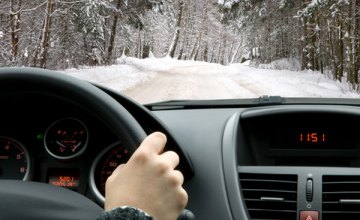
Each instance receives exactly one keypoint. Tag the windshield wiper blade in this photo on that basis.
(253, 102)
(188, 104)
(270, 100)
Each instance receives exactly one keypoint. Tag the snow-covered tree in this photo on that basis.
(324, 35)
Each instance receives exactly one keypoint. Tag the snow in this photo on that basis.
(228, 5)
(117, 77)
(283, 64)
(292, 83)
(158, 79)
(262, 12)
(282, 4)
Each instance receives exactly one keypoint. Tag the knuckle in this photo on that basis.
(176, 178)
(174, 181)
(140, 157)
(162, 167)
(174, 155)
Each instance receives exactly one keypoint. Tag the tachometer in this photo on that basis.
(66, 138)
(103, 166)
(14, 160)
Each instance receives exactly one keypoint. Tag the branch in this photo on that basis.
(33, 9)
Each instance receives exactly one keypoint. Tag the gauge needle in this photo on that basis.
(4, 157)
(76, 146)
(59, 143)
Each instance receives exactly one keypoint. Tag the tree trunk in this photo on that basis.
(356, 44)
(197, 44)
(113, 34)
(181, 52)
(333, 54)
(15, 27)
(45, 36)
(351, 44)
(236, 52)
(175, 40)
(306, 52)
(340, 51)
(311, 42)
(224, 60)
(305, 59)
(212, 54)
(315, 43)
(319, 46)
(139, 43)
(219, 52)
(206, 51)
(230, 52)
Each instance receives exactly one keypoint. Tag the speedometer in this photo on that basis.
(14, 160)
(103, 166)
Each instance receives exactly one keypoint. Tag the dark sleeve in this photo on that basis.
(125, 213)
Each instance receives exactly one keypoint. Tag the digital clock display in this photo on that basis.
(64, 178)
(312, 138)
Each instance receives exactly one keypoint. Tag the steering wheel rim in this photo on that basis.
(115, 116)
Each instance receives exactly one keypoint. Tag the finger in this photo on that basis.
(171, 158)
(178, 177)
(183, 198)
(153, 144)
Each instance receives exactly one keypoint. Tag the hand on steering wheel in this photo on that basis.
(148, 181)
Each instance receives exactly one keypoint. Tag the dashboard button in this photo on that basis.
(309, 215)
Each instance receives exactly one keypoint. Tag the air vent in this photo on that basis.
(270, 196)
(341, 197)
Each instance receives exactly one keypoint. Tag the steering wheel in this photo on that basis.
(32, 200)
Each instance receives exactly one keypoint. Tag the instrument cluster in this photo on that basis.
(73, 151)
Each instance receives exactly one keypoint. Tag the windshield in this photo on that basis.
(158, 50)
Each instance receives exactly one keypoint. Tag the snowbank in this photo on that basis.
(117, 77)
(283, 64)
(288, 83)
(159, 64)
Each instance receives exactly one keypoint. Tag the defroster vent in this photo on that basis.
(341, 197)
(270, 196)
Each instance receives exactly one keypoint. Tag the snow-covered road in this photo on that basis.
(153, 80)
(201, 82)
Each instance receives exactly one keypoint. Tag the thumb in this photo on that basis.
(153, 144)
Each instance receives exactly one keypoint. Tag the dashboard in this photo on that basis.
(274, 161)
(292, 161)
(49, 140)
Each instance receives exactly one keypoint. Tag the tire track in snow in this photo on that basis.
(189, 82)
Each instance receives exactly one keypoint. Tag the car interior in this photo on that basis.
(264, 158)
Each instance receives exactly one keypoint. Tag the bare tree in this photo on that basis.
(113, 32)
(15, 9)
(175, 40)
(42, 51)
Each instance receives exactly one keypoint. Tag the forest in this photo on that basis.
(324, 35)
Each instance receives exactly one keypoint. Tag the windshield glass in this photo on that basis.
(158, 50)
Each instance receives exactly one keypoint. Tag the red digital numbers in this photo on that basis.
(64, 181)
(312, 137)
